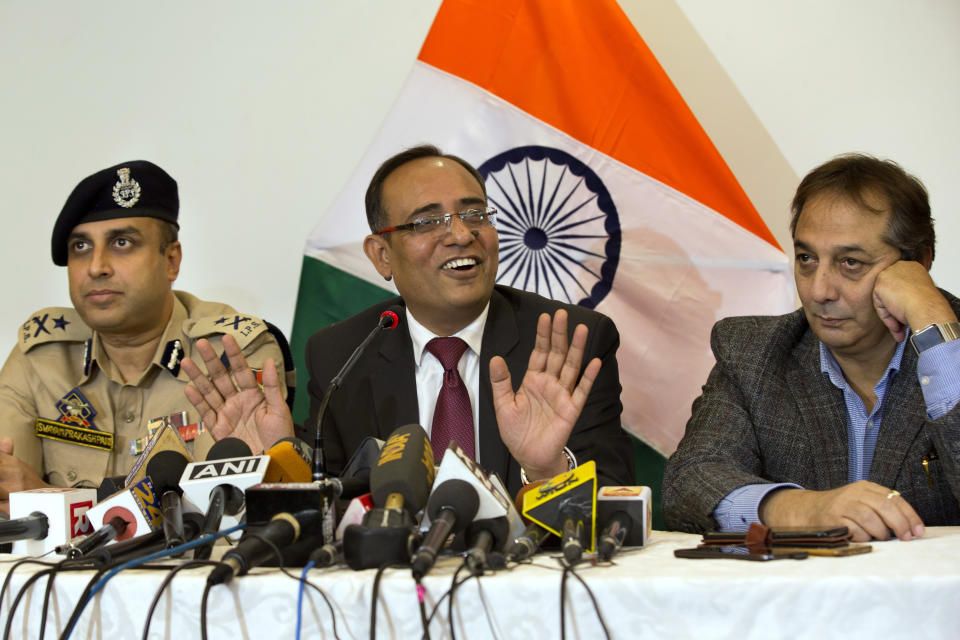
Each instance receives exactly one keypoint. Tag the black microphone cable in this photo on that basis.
(16, 600)
(206, 589)
(376, 593)
(50, 573)
(163, 585)
(136, 562)
(483, 601)
(568, 570)
(433, 612)
(17, 563)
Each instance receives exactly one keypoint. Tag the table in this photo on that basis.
(900, 590)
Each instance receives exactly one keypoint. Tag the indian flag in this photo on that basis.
(609, 192)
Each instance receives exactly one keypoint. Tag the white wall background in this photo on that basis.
(261, 110)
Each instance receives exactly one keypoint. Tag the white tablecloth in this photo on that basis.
(900, 590)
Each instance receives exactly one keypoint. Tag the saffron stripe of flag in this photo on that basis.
(610, 193)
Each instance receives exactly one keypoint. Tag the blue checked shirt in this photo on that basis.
(938, 372)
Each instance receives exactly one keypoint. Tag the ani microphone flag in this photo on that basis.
(610, 194)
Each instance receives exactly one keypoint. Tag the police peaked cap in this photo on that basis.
(135, 189)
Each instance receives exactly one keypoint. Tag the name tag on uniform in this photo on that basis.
(93, 438)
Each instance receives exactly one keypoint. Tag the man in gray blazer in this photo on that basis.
(826, 416)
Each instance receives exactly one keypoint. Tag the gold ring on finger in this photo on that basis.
(893, 492)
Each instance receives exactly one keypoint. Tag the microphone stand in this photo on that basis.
(388, 320)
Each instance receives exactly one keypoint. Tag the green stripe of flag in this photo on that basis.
(326, 295)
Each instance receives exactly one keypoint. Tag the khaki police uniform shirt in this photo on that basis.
(59, 372)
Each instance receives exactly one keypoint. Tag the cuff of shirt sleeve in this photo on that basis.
(739, 508)
(938, 372)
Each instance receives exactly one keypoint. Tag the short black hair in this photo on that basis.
(376, 216)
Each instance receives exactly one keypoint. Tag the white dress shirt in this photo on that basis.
(429, 371)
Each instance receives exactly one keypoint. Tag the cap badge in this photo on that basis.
(126, 192)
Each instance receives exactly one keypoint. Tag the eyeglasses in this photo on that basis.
(472, 219)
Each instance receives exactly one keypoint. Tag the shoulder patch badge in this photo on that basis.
(53, 324)
(242, 327)
(74, 409)
(75, 424)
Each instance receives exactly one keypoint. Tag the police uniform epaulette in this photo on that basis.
(53, 324)
(244, 328)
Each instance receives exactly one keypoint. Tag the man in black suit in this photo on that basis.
(433, 235)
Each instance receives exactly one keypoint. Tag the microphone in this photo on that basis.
(399, 484)
(289, 461)
(228, 448)
(225, 498)
(566, 506)
(283, 530)
(573, 530)
(138, 506)
(42, 519)
(354, 480)
(229, 467)
(109, 486)
(452, 506)
(95, 540)
(328, 555)
(494, 499)
(32, 527)
(165, 469)
(625, 514)
(484, 536)
(528, 543)
(116, 553)
(165, 439)
(389, 319)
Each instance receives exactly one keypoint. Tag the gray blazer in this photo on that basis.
(768, 414)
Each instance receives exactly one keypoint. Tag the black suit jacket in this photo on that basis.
(768, 414)
(380, 393)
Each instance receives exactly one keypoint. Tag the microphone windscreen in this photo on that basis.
(363, 458)
(498, 528)
(165, 469)
(166, 439)
(390, 318)
(575, 490)
(405, 467)
(636, 502)
(494, 499)
(287, 463)
(229, 448)
(66, 511)
(109, 486)
(456, 495)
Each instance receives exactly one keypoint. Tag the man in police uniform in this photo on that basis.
(84, 387)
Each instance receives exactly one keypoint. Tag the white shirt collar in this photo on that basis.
(472, 334)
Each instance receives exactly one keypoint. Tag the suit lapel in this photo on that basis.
(901, 423)
(500, 337)
(393, 383)
(822, 414)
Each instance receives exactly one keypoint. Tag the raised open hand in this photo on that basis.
(536, 421)
(234, 405)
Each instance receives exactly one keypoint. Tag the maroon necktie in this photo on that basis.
(453, 416)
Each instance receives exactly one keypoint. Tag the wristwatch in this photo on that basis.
(934, 334)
